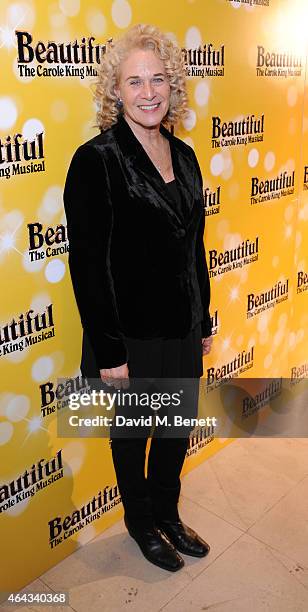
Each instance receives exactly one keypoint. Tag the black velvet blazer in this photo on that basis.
(137, 264)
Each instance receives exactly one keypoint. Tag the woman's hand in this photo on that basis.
(207, 345)
(116, 377)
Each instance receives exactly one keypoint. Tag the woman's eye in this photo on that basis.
(158, 80)
(135, 82)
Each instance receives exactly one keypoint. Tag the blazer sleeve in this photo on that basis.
(201, 265)
(89, 215)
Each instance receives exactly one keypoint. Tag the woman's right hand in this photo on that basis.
(116, 377)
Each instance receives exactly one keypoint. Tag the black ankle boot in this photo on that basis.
(185, 539)
(155, 546)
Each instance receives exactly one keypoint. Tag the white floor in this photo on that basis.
(250, 502)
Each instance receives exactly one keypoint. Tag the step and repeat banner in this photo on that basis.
(248, 124)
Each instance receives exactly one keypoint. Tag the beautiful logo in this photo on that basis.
(212, 201)
(251, 2)
(244, 253)
(257, 303)
(52, 59)
(57, 396)
(23, 332)
(305, 177)
(54, 240)
(240, 132)
(214, 321)
(299, 373)
(60, 529)
(204, 61)
(16, 151)
(199, 438)
(302, 281)
(262, 398)
(275, 64)
(271, 189)
(242, 362)
(40, 475)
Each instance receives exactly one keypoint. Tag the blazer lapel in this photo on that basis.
(138, 163)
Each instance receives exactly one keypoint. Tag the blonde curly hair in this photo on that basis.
(141, 36)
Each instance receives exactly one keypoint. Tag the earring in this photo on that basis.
(119, 103)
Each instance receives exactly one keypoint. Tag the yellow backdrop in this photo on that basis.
(248, 123)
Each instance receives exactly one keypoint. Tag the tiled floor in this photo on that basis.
(250, 502)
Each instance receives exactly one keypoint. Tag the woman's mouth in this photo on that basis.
(149, 107)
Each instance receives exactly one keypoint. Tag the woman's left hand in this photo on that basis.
(207, 345)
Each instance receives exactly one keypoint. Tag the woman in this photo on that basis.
(134, 206)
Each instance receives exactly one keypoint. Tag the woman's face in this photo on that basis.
(144, 88)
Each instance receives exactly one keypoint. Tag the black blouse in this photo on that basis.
(176, 196)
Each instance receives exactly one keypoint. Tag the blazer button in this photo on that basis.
(182, 233)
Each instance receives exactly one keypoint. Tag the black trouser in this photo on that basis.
(156, 495)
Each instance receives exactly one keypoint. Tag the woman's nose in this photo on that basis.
(148, 90)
